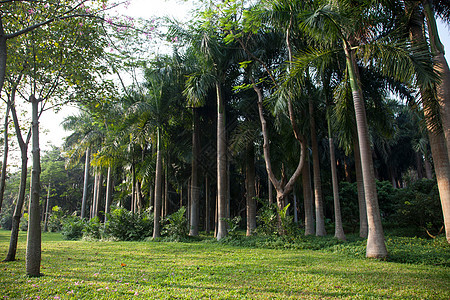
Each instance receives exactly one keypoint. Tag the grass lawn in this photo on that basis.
(206, 270)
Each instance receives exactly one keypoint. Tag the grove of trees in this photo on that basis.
(336, 105)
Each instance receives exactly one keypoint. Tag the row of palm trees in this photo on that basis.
(269, 69)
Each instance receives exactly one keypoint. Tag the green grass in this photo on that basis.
(208, 270)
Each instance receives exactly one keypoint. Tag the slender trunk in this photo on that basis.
(166, 189)
(194, 219)
(3, 54)
(86, 182)
(33, 252)
(5, 156)
(11, 256)
(216, 223)
(138, 197)
(133, 189)
(270, 190)
(94, 195)
(221, 166)
(250, 187)
(158, 192)
(109, 189)
(99, 194)
(419, 164)
(363, 226)
(307, 199)
(46, 208)
(376, 247)
(207, 206)
(338, 229)
(320, 219)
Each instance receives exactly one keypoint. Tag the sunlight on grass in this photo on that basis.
(150, 270)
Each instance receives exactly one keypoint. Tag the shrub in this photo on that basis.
(6, 218)
(93, 229)
(126, 226)
(418, 206)
(56, 219)
(72, 228)
(267, 219)
(23, 225)
(175, 225)
(233, 226)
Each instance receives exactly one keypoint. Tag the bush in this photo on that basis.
(125, 226)
(23, 225)
(6, 218)
(93, 229)
(175, 225)
(418, 206)
(56, 219)
(72, 228)
(267, 219)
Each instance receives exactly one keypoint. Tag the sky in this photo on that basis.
(52, 133)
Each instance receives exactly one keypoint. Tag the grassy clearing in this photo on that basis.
(202, 270)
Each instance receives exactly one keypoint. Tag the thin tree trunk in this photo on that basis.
(5, 156)
(86, 183)
(133, 189)
(250, 187)
(46, 208)
(33, 252)
(3, 55)
(23, 145)
(158, 191)
(138, 197)
(376, 247)
(166, 189)
(194, 219)
(99, 194)
(221, 166)
(320, 219)
(94, 195)
(307, 199)
(270, 190)
(109, 189)
(338, 229)
(363, 226)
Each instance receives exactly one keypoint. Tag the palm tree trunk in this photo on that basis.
(250, 188)
(99, 194)
(439, 149)
(5, 156)
(86, 183)
(376, 247)
(109, 190)
(221, 166)
(363, 226)
(338, 229)
(138, 197)
(46, 208)
(194, 219)
(158, 191)
(320, 220)
(33, 252)
(441, 67)
(307, 199)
